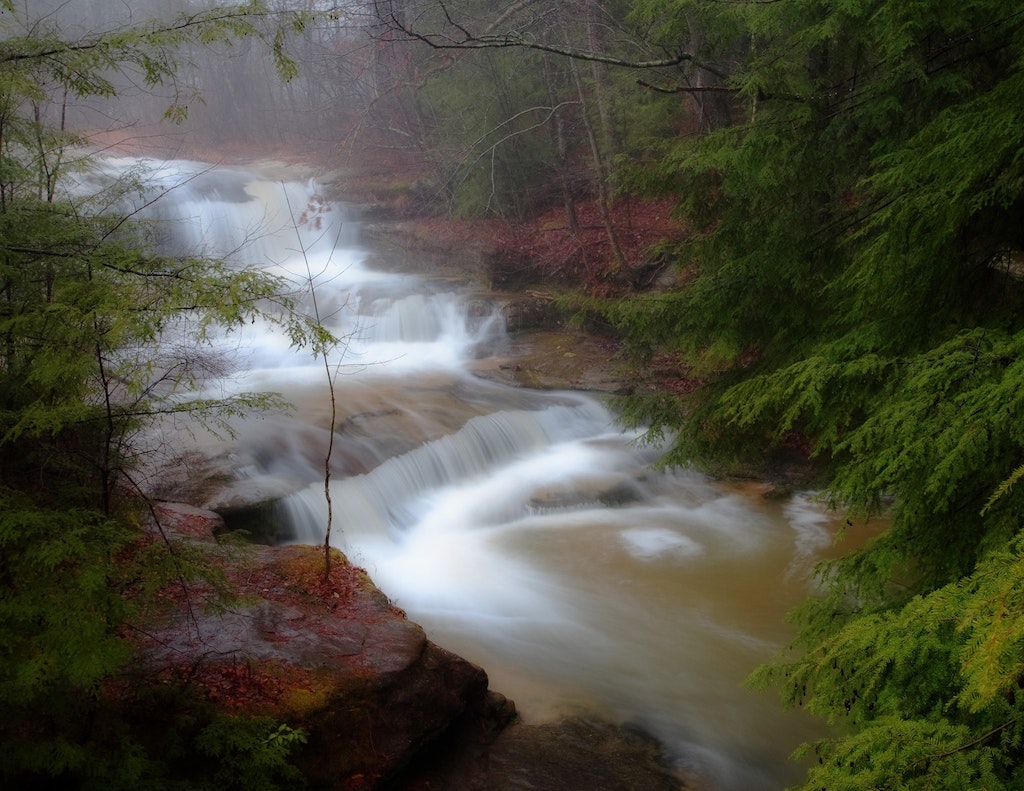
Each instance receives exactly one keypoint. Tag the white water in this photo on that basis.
(524, 530)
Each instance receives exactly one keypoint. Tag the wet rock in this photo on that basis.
(258, 521)
(563, 359)
(532, 312)
(383, 707)
(576, 754)
(334, 657)
(611, 491)
(365, 734)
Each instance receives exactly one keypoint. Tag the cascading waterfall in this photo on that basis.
(522, 529)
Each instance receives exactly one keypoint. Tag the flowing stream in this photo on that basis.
(524, 530)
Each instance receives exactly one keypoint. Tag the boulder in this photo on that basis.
(573, 754)
(333, 657)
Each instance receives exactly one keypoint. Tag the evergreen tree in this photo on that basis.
(856, 283)
(84, 304)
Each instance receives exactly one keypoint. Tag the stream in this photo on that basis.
(524, 530)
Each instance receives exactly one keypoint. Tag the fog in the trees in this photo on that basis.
(230, 92)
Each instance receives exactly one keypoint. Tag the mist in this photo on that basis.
(223, 95)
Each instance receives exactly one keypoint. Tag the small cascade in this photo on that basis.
(394, 496)
(291, 230)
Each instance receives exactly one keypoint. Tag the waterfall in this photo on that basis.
(525, 530)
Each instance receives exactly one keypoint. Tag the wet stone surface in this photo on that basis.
(575, 754)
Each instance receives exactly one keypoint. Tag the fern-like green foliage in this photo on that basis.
(83, 302)
(250, 754)
(930, 691)
(55, 619)
(856, 249)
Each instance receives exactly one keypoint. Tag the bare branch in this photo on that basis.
(462, 38)
(687, 88)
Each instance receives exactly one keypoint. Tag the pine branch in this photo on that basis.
(962, 748)
(1003, 488)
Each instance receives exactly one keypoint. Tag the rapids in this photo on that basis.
(524, 530)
